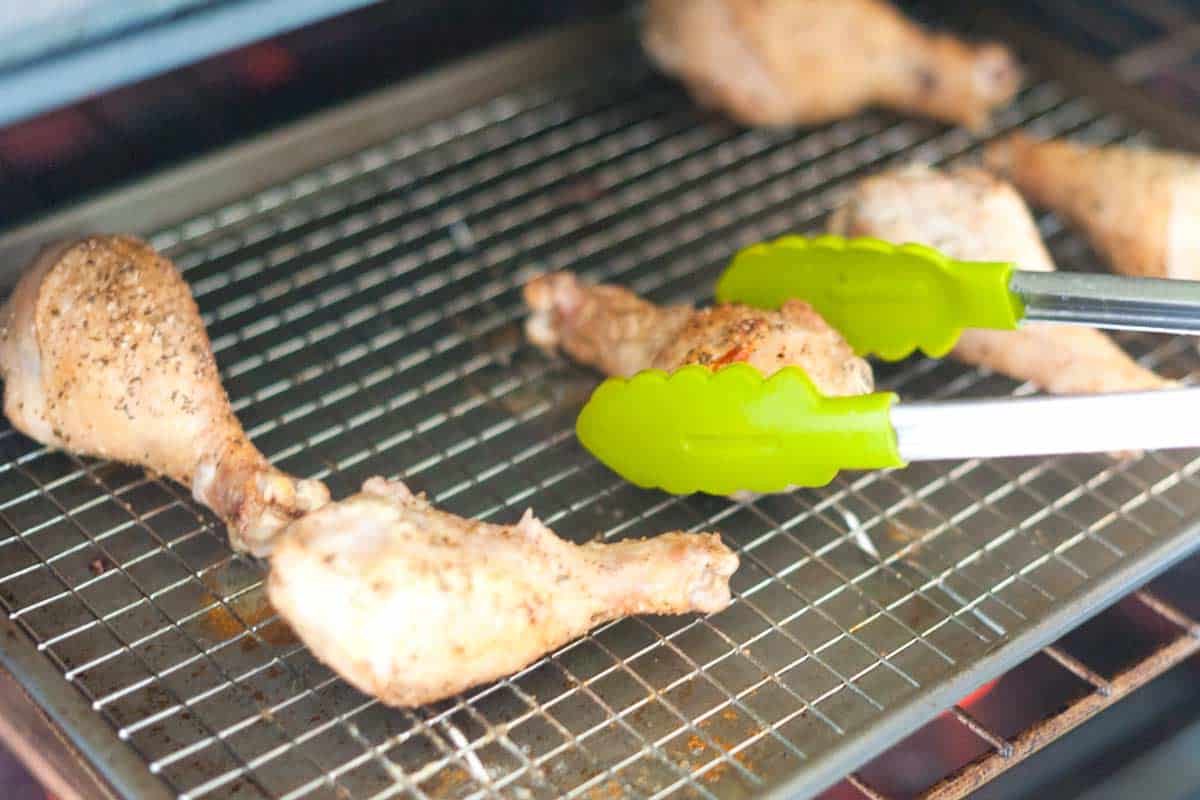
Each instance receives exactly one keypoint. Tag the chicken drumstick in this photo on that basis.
(968, 214)
(411, 604)
(613, 329)
(103, 353)
(1139, 207)
(799, 62)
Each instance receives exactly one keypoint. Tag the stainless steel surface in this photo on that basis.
(1030, 426)
(1109, 301)
(366, 315)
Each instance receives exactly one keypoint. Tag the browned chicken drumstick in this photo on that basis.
(968, 214)
(614, 330)
(411, 604)
(103, 353)
(1140, 208)
(798, 62)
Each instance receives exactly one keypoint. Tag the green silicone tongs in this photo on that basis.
(719, 432)
(888, 300)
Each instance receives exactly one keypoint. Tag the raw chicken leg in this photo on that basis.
(611, 328)
(968, 214)
(411, 604)
(103, 352)
(799, 62)
(1140, 208)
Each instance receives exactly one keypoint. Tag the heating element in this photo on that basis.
(366, 316)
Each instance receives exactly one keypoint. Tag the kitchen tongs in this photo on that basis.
(888, 300)
(732, 429)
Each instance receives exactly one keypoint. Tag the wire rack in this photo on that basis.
(366, 317)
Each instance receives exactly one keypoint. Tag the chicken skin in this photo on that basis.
(803, 62)
(970, 215)
(103, 353)
(1139, 208)
(411, 604)
(614, 330)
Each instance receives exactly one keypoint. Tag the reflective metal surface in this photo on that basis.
(1110, 301)
(366, 315)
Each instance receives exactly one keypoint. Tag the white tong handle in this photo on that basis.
(993, 428)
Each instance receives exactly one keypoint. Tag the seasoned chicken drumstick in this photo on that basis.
(614, 330)
(797, 62)
(411, 604)
(1140, 208)
(103, 353)
(968, 214)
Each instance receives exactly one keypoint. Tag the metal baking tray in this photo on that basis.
(360, 273)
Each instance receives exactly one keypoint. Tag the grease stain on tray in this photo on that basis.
(903, 534)
(230, 618)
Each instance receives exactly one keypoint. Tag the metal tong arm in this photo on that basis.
(999, 427)
(1109, 301)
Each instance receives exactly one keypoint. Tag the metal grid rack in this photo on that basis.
(366, 318)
